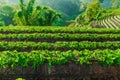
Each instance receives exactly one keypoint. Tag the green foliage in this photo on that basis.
(59, 37)
(69, 9)
(34, 54)
(100, 1)
(6, 14)
(57, 29)
(80, 20)
(62, 46)
(92, 12)
(2, 23)
(106, 13)
(36, 58)
(35, 16)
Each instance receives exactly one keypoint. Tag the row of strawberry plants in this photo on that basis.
(60, 37)
(36, 58)
(56, 30)
(62, 46)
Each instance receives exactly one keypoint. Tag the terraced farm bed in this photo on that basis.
(48, 29)
(109, 22)
(59, 53)
(43, 37)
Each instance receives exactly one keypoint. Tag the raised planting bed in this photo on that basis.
(60, 46)
(57, 29)
(43, 37)
(59, 53)
(68, 71)
(56, 65)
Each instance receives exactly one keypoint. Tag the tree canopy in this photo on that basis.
(6, 14)
(35, 15)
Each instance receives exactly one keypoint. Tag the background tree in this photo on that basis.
(92, 12)
(69, 9)
(35, 15)
(7, 14)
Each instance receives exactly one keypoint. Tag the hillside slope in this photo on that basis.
(110, 22)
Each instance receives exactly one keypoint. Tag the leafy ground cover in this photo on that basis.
(49, 29)
(34, 46)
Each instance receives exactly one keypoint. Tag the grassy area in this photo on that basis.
(114, 11)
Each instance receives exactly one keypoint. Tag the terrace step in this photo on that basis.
(111, 22)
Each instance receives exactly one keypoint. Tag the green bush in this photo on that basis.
(2, 23)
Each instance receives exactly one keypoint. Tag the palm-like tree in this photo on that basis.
(37, 16)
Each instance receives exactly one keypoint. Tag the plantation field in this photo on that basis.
(109, 22)
(25, 46)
